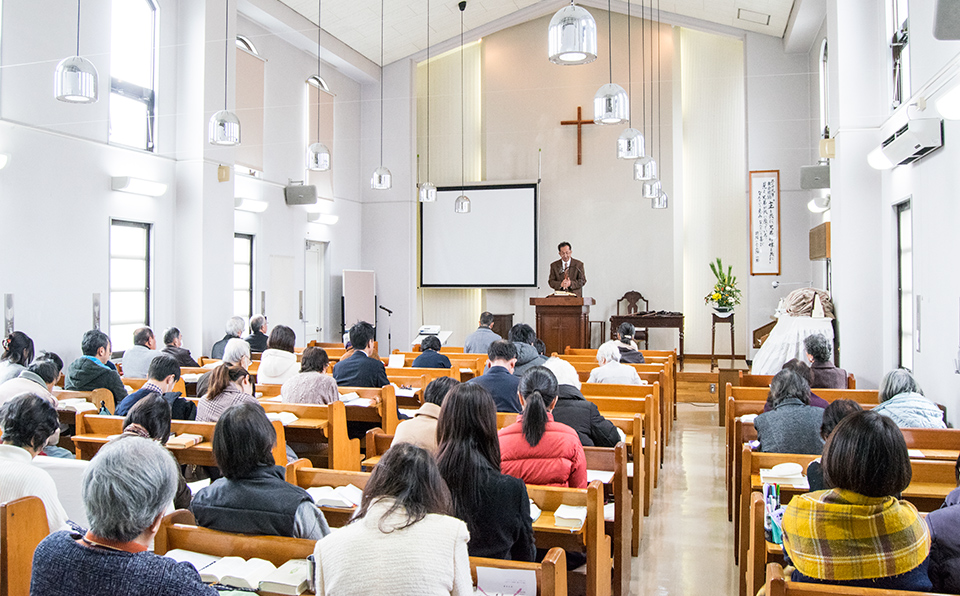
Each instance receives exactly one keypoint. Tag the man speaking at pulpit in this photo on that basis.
(566, 275)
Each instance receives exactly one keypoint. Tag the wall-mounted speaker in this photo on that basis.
(815, 177)
(300, 194)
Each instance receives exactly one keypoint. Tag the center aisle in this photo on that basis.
(687, 543)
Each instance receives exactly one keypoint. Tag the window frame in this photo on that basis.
(148, 266)
(146, 96)
(251, 238)
(899, 210)
(899, 36)
(824, 76)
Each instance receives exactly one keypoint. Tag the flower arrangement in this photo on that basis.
(725, 294)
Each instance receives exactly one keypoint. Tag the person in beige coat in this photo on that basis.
(421, 430)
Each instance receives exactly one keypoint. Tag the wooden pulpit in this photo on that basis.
(563, 321)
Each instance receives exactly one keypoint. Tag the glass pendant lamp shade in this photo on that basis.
(382, 179)
(428, 192)
(630, 144)
(224, 129)
(318, 157)
(651, 189)
(610, 105)
(462, 204)
(572, 36)
(661, 202)
(75, 80)
(645, 168)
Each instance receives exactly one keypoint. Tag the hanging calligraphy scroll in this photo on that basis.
(765, 222)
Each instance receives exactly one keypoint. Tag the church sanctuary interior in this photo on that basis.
(732, 177)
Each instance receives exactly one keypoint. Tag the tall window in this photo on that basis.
(129, 280)
(899, 36)
(243, 275)
(133, 61)
(905, 282)
(824, 91)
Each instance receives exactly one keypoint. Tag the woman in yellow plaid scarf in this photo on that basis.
(858, 533)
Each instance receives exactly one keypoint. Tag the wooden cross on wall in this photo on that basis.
(579, 122)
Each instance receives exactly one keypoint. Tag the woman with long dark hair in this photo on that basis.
(17, 354)
(404, 525)
(495, 506)
(537, 449)
(229, 386)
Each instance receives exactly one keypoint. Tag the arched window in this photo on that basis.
(133, 71)
(824, 92)
(244, 43)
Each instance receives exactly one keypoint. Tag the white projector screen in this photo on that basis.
(495, 245)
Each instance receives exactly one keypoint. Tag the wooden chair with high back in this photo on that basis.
(631, 304)
(23, 524)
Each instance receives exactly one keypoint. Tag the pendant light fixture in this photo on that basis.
(318, 156)
(610, 104)
(224, 125)
(428, 190)
(658, 201)
(645, 168)
(75, 79)
(462, 204)
(630, 144)
(382, 178)
(572, 36)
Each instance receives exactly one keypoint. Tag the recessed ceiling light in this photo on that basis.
(752, 16)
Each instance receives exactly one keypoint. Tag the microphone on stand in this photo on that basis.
(777, 284)
(389, 312)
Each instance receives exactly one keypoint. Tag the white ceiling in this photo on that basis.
(357, 22)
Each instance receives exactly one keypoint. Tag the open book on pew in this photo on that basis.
(76, 404)
(396, 361)
(353, 399)
(403, 391)
(184, 440)
(252, 574)
(345, 497)
(492, 581)
(570, 516)
(190, 377)
(285, 418)
(789, 473)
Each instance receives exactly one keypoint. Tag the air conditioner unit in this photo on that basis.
(911, 142)
(300, 194)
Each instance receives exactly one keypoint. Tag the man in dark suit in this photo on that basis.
(567, 275)
(499, 379)
(173, 346)
(234, 328)
(258, 334)
(361, 369)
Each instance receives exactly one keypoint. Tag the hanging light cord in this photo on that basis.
(226, 47)
(381, 81)
(78, 28)
(319, 83)
(428, 93)
(629, 69)
(609, 41)
(643, 75)
(659, 123)
(463, 6)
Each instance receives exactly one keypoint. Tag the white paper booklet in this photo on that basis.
(285, 418)
(290, 578)
(608, 512)
(342, 496)
(534, 511)
(198, 560)
(353, 399)
(570, 516)
(492, 581)
(603, 476)
(768, 476)
(396, 361)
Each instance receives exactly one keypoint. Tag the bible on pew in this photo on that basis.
(570, 516)
(345, 497)
(353, 399)
(285, 418)
(76, 404)
(184, 440)
(252, 574)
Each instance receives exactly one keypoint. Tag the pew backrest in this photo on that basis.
(23, 524)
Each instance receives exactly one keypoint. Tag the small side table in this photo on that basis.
(713, 338)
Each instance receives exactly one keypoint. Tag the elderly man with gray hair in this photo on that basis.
(902, 400)
(611, 370)
(126, 490)
(234, 328)
(820, 354)
(258, 333)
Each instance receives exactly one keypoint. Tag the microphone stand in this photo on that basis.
(389, 329)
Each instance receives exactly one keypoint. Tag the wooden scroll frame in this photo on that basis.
(765, 222)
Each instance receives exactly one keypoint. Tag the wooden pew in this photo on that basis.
(551, 572)
(778, 585)
(321, 423)
(94, 431)
(377, 444)
(267, 390)
(458, 360)
(591, 538)
(136, 384)
(620, 527)
(95, 397)
(748, 380)
(384, 411)
(23, 524)
(431, 373)
(416, 382)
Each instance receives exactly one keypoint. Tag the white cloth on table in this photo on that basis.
(785, 342)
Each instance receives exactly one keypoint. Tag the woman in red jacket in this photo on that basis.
(537, 449)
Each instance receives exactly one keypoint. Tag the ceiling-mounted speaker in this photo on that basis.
(300, 194)
(815, 177)
(946, 20)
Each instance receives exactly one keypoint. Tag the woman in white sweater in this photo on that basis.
(278, 363)
(405, 509)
